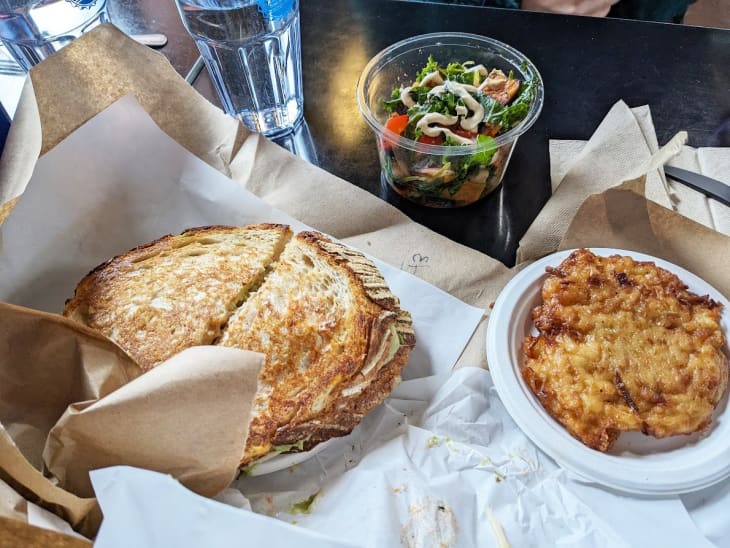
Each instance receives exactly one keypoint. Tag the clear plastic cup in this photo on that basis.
(419, 171)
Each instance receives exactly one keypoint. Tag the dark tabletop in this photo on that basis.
(587, 64)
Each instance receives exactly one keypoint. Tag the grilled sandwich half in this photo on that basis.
(334, 336)
(335, 342)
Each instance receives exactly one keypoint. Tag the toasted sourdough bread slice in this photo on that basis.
(359, 395)
(177, 291)
(335, 342)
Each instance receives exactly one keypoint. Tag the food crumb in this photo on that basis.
(430, 523)
(433, 441)
(450, 445)
(305, 506)
(400, 489)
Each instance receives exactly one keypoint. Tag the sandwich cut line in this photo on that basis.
(177, 291)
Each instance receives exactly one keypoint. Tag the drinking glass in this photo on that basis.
(35, 29)
(252, 50)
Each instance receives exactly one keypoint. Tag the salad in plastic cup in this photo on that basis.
(447, 109)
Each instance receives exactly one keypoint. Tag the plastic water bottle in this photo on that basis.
(252, 50)
(33, 30)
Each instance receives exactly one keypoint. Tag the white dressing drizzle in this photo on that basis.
(438, 118)
(456, 138)
(494, 80)
(435, 118)
(469, 123)
(432, 78)
(405, 97)
(481, 69)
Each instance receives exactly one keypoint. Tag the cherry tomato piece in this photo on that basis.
(464, 133)
(397, 124)
(428, 140)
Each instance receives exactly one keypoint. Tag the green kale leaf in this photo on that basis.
(508, 116)
(430, 67)
(486, 149)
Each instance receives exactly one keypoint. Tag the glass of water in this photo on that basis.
(252, 50)
(35, 29)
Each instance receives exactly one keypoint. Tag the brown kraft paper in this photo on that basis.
(73, 367)
(72, 398)
(622, 218)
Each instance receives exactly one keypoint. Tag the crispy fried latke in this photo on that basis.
(623, 345)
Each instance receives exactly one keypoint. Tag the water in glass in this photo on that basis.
(33, 30)
(253, 53)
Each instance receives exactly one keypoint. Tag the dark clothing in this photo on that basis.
(668, 11)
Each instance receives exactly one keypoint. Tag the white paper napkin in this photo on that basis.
(149, 509)
(458, 473)
(639, 136)
(459, 449)
(624, 146)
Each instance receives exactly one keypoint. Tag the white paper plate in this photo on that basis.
(636, 463)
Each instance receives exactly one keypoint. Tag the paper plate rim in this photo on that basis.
(666, 472)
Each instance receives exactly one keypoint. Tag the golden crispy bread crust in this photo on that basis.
(363, 391)
(623, 345)
(177, 291)
(346, 411)
(322, 315)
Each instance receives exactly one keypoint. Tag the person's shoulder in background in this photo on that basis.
(648, 10)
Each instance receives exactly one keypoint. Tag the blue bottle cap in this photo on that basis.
(274, 9)
(83, 4)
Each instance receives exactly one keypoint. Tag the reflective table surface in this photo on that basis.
(587, 64)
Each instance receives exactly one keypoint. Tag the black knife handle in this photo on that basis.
(708, 186)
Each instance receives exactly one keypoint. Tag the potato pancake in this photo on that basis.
(624, 345)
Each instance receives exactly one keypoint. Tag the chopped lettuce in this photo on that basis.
(486, 148)
(508, 116)
(305, 506)
(430, 67)
(275, 450)
(288, 447)
(394, 102)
